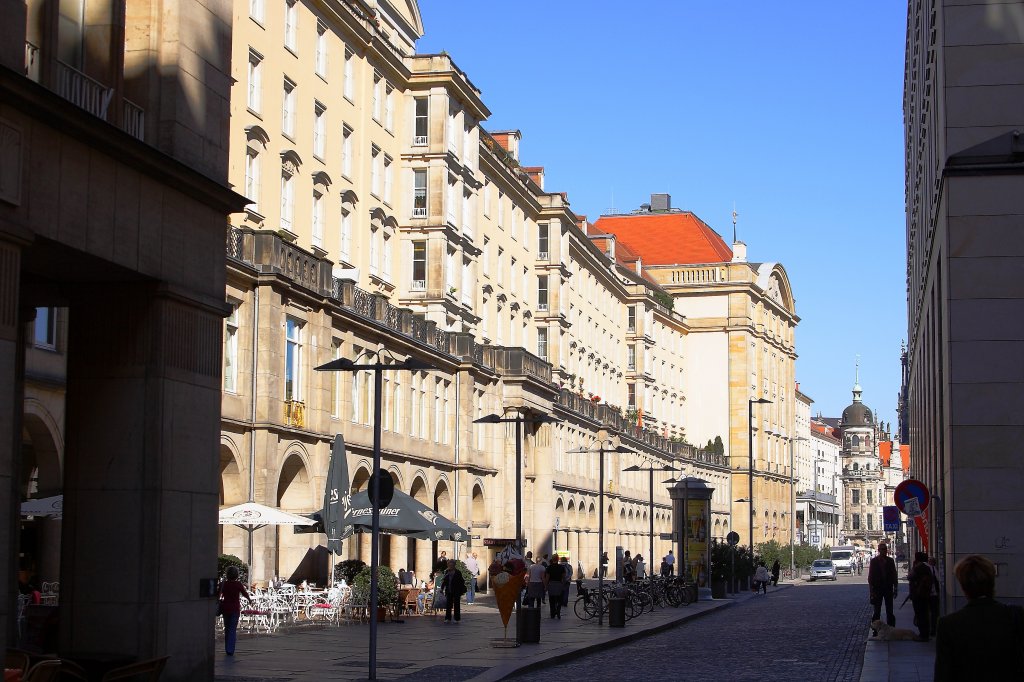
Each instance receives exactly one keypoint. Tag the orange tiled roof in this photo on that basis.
(905, 456)
(885, 452)
(666, 238)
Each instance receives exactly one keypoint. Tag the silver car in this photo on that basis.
(823, 568)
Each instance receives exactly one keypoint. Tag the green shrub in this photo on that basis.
(226, 560)
(348, 569)
(387, 585)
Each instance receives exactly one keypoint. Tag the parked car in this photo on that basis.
(823, 568)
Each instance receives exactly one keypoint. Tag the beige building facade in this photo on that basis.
(386, 220)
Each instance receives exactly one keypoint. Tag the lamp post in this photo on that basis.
(750, 469)
(650, 470)
(600, 518)
(792, 507)
(345, 365)
(519, 419)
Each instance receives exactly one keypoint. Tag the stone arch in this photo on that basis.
(478, 506)
(43, 451)
(294, 493)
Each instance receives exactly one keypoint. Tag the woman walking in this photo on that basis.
(231, 591)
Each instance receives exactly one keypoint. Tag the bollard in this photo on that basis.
(617, 612)
(528, 625)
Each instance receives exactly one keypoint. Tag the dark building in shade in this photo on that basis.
(963, 383)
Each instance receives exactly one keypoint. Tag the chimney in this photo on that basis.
(509, 141)
(536, 174)
(739, 252)
(661, 202)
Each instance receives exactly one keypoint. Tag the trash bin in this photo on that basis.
(528, 625)
(617, 612)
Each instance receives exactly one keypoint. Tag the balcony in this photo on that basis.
(419, 212)
(419, 140)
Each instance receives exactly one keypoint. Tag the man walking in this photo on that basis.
(920, 595)
(453, 586)
(882, 585)
(473, 566)
(670, 563)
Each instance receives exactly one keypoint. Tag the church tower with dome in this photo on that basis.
(863, 486)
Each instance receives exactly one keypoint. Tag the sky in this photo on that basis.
(789, 111)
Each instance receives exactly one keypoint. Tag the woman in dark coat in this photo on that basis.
(454, 586)
(775, 572)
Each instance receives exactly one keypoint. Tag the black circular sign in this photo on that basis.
(387, 488)
(733, 538)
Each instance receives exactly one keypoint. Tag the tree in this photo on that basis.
(719, 446)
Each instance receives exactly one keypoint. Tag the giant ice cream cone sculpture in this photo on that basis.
(507, 572)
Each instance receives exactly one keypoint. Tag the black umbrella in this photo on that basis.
(403, 516)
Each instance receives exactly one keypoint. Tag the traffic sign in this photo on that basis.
(908, 489)
(891, 519)
(733, 538)
(815, 539)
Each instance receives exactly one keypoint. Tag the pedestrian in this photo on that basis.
(534, 585)
(231, 591)
(555, 585)
(761, 578)
(860, 565)
(933, 601)
(442, 563)
(473, 566)
(568, 580)
(670, 560)
(604, 565)
(985, 639)
(454, 586)
(920, 595)
(641, 567)
(529, 559)
(776, 568)
(883, 584)
(628, 568)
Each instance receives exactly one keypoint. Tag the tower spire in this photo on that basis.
(735, 215)
(856, 380)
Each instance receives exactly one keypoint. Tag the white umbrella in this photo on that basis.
(47, 506)
(251, 516)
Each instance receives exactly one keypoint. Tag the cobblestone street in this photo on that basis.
(809, 632)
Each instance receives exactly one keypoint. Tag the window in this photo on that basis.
(389, 107)
(346, 151)
(420, 128)
(256, 10)
(501, 208)
(870, 494)
(321, 49)
(287, 198)
(45, 331)
(252, 176)
(396, 400)
(387, 256)
(542, 241)
(631, 318)
(542, 343)
(438, 410)
(514, 230)
(335, 379)
(419, 193)
(855, 496)
(375, 250)
(450, 200)
(378, 94)
(542, 292)
(319, 129)
(419, 265)
(388, 178)
(291, 17)
(375, 159)
(513, 279)
(346, 233)
(856, 521)
(631, 396)
(255, 95)
(318, 219)
(467, 213)
(449, 271)
(293, 360)
(631, 357)
(871, 521)
(348, 84)
(288, 109)
(487, 198)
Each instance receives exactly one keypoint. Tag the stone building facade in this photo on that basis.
(961, 398)
(862, 477)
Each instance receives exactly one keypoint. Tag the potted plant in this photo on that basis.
(721, 566)
(348, 570)
(387, 588)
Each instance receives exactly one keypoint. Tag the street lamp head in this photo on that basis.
(414, 364)
(759, 401)
(488, 419)
(338, 365)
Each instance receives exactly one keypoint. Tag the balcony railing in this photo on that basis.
(32, 61)
(133, 120)
(86, 92)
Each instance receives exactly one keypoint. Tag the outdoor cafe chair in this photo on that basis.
(410, 604)
(145, 670)
(256, 615)
(43, 671)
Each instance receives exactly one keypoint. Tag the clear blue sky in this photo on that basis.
(790, 110)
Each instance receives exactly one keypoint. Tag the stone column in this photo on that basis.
(12, 383)
(140, 482)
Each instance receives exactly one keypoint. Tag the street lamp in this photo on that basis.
(345, 365)
(750, 470)
(792, 507)
(600, 517)
(519, 419)
(651, 469)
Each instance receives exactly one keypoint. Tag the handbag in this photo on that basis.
(440, 600)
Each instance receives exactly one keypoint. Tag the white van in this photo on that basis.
(843, 558)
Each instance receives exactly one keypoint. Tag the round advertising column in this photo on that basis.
(691, 529)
